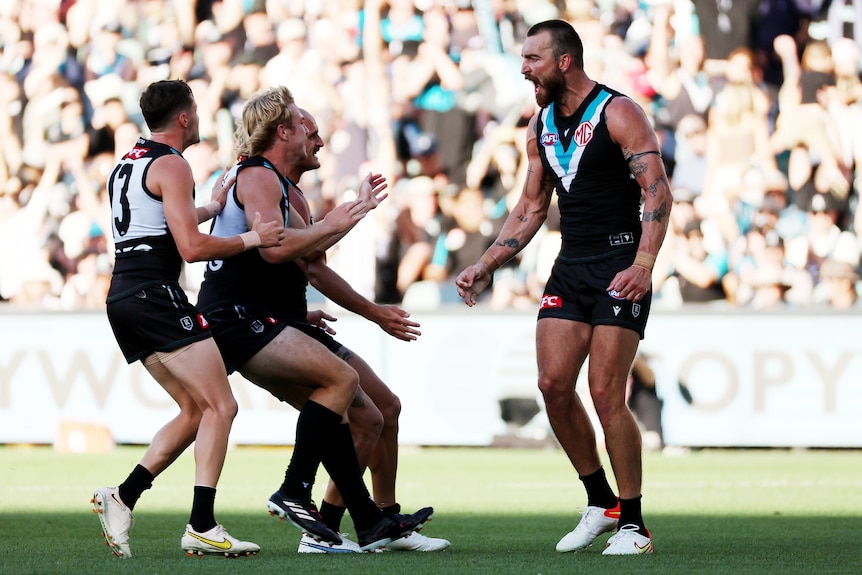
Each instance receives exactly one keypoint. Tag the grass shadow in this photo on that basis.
(70, 543)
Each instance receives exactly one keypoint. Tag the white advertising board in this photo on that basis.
(753, 380)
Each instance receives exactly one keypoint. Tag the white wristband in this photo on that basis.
(250, 240)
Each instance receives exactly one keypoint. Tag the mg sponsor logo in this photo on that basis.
(584, 133)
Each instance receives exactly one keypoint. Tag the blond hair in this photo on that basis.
(261, 115)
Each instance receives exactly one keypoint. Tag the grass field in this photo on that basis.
(713, 511)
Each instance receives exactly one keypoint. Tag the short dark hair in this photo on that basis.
(564, 39)
(163, 100)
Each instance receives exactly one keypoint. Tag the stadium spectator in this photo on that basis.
(354, 59)
(698, 269)
(839, 289)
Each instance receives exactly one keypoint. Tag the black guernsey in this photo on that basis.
(246, 279)
(599, 199)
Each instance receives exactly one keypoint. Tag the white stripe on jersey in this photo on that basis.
(564, 162)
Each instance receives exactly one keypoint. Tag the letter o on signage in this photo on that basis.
(693, 370)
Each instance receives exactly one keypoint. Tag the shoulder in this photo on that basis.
(624, 114)
(169, 174)
(258, 179)
(257, 173)
(531, 135)
(622, 105)
(170, 166)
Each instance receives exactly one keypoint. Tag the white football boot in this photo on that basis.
(116, 520)
(594, 521)
(216, 541)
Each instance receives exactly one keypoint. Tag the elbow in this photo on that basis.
(191, 254)
(278, 256)
(541, 213)
(312, 276)
(273, 257)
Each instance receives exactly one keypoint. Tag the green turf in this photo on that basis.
(713, 511)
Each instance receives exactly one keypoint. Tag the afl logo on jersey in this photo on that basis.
(549, 139)
(584, 133)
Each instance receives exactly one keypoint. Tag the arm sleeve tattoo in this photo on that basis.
(510, 243)
(634, 157)
(656, 215)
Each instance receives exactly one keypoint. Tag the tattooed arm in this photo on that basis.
(528, 215)
(525, 219)
(629, 127)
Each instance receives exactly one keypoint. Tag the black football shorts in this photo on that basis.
(577, 291)
(155, 318)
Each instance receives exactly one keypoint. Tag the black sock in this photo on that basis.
(630, 514)
(332, 515)
(342, 465)
(138, 481)
(314, 430)
(395, 508)
(203, 505)
(599, 492)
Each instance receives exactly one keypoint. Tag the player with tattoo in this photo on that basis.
(597, 150)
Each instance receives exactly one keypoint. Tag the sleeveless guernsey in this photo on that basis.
(145, 251)
(246, 279)
(599, 199)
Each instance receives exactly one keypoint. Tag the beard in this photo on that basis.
(550, 90)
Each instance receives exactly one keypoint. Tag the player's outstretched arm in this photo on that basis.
(391, 319)
(525, 219)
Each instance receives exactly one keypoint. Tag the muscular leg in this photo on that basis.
(176, 435)
(611, 355)
(197, 380)
(194, 376)
(383, 460)
(295, 368)
(561, 348)
(374, 422)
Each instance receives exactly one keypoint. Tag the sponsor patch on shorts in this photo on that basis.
(551, 301)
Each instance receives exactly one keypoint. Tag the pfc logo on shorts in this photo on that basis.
(551, 301)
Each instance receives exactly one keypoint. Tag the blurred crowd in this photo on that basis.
(756, 104)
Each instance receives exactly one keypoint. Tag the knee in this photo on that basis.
(606, 404)
(390, 407)
(349, 381)
(190, 415)
(552, 388)
(366, 423)
(226, 408)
